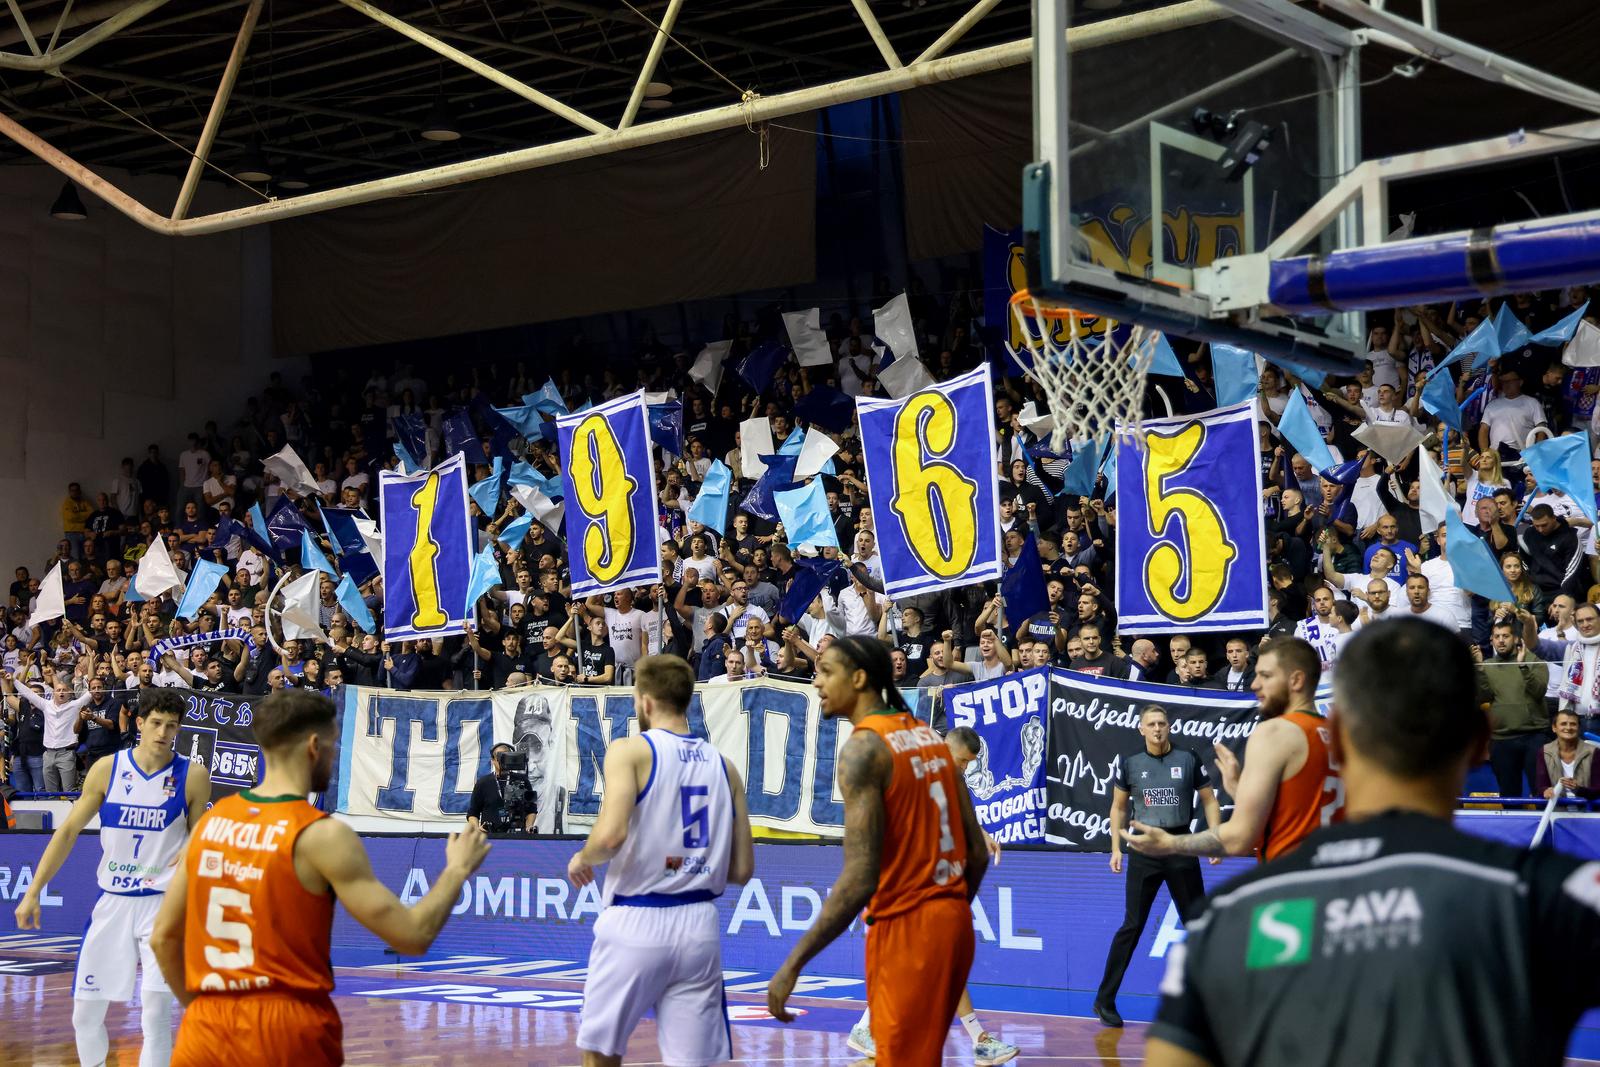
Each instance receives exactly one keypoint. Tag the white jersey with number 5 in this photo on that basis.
(681, 831)
(143, 824)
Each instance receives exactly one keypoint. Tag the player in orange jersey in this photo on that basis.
(913, 856)
(1290, 783)
(243, 936)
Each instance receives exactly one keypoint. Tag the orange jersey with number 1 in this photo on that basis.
(1313, 797)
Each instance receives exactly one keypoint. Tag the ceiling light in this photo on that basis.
(253, 165)
(293, 178)
(655, 103)
(440, 124)
(69, 205)
(660, 83)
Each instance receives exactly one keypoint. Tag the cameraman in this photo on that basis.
(1512, 682)
(486, 811)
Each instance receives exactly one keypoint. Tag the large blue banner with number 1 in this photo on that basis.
(933, 482)
(427, 550)
(1190, 538)
(610, 487)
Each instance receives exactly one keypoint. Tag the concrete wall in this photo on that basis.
(112, 339)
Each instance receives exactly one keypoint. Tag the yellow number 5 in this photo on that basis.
(1203, 555)
(424, 551)
(605, 496)
(935, 504)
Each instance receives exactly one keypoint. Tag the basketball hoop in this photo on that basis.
(1094, 382)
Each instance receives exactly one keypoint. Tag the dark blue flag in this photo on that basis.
(459, 436)
(1023, 585)
(227, 529)
(811, 576)
(666, 426)
(284, 525)
(758, 368)
(348, 544)
(826, 407)
(412, 432)
(778, 475)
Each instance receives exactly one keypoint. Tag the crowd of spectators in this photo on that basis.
(1338, 556)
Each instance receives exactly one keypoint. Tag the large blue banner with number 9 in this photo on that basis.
(1191, 550)
(933, 482)
(610, 488)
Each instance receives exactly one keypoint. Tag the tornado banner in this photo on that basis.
(1094, 724)
(1190, 539)
(610, 488)
(1007, 779)
(930, 459)
(428, 546)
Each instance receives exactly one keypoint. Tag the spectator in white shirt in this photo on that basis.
(740, 612)
(1417, 590)
(126, 490)
(219, 485)
(1509, 418)
(855, 611)
(61, 726)
(193, 463)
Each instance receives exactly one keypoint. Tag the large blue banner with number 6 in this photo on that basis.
(610, 487)
(933, 482)
(427, 549)
(1190, 541)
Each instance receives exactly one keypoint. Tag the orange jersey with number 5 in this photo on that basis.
(924, 853)
(251, 927)
(1313, 797)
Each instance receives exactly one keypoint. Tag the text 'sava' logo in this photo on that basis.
(1280, 933)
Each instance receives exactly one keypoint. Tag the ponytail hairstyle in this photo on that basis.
(872, 656)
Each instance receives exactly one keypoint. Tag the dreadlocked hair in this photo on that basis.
(872, 656)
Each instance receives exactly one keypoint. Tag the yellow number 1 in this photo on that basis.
(1204, 553)
(424, 579)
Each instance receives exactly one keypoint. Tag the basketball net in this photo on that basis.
(1094, 382)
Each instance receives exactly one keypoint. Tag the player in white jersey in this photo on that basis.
(147, 799)
(675, 830)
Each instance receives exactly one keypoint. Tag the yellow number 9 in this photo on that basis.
(605, 496)
(932, 494)
(1205, 553)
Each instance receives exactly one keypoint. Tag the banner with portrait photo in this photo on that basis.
(930, 460)
(610, 493)
(1094, 723)
(428, 545)
(217, 733)
(1191, 555)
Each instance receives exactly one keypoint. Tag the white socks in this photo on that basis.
(866, 1019)
(974, 1028)
(89, 1030)
(156, 1022)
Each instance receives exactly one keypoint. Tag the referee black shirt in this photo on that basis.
(1163, 787)
(1393, 940)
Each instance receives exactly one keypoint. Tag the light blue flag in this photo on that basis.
(1473, 565)
(710, 508)
(548, 398)
(513, 535)
(524, 418)
(1233, 373)
(258, 521)
(311, 557)
(202, 583)
(548, 484)
(793, 443)
(349, 597)
(1300, 430)
(1081, 472)
(1481, 344)
(1108, 467)
(1439, 398)
(408, 463)
(804, 513)
(1509, 332)
(130, 595)
(1561, 332)
(1563, 463)
(486, 493)
(609, 484)
(427, 549)
(1165, 360)
(485, 576)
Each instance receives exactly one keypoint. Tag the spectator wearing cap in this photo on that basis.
(1509, 418)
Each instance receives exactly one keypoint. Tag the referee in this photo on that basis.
(1162, 782)
(1391, 938)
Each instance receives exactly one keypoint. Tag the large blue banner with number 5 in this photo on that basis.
(933, 482)
(427, 550)
(1191, 551)
(610, 487)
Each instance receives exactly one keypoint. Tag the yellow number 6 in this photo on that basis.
(605, 496)
(1205, 554)
(943, 536)
(424, 551)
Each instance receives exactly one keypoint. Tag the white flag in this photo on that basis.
(291, 471)
(816, 450)
(707, 369)
(299, 613)
(1432, 500)
(905, 376)
(810, 344)
(539, 506)
(892, 324)
(370, 536)
(1035, 423)
(755, 441)
(52, 602)
(1391, 440)
(1584, 348)
(156, 573)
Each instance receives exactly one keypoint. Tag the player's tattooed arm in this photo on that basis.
(1204, 843)
(864, 768)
